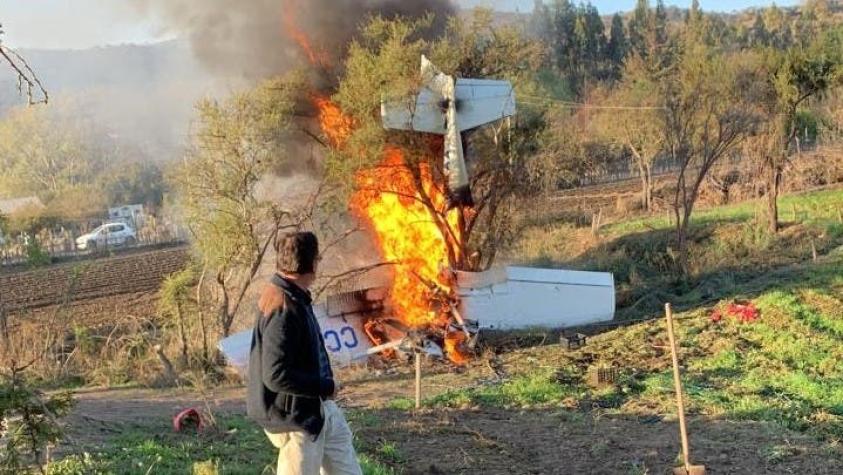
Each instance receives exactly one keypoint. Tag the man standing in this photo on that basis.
(291, 385)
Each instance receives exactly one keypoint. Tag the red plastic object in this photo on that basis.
(186, 419)
(747, 313)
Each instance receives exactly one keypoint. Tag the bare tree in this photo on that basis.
(704, 119)
(238, 143)
(28, 81)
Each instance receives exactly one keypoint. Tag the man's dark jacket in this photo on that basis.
(289, 372)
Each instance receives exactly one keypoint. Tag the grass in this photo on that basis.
(237, 447)
(728, 246)
(539, 388)
(783, 368)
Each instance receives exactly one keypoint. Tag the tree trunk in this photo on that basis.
(648, 187)
(202, 325)
(182, 333)
(682, 240)
(224, 314)
(774, 179)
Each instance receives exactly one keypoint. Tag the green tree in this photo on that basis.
(617, 47)
(792, 79)
(41, 153)
(541, 22)
(695, 14)
(705, 118)
(174, 302)
(758, 34)
(638, 130)
(30, 421)
(638, 25)
(384, 63)
(238, 142)
(777, 26)
(134, 183)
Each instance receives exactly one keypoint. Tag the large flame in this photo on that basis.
(315, 56)
(407, 212)
(335, 125)
(408, 234)
(414, 232)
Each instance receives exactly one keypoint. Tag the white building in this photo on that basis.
(133, 215)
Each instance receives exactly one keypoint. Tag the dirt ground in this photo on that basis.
(490, 441)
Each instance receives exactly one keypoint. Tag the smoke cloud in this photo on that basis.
(258, 38)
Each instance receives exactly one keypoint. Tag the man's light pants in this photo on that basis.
(299, 454)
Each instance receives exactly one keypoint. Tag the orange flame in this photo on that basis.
(413, 230)
(315, 57)
(454, 342)
(407, 234)
(335, 125)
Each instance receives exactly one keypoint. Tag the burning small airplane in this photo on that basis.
(453, 108)
(503, 298)
(420, 310)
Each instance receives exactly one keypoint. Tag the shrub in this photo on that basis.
(36, 255)
(30, 422)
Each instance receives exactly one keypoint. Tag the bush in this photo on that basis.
(36, 255)
(30, 422)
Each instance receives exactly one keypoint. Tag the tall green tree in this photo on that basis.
(638, 129)
(638, 25)
(793, 79)
(758, 34)
(705, 117)
(617, 46)
(384, 63)
(238, 142)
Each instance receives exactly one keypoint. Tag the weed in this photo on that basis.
(389, 451)
(237, 447)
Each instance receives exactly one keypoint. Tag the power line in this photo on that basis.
(579, 105)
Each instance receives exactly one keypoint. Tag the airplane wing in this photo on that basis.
(479, 102)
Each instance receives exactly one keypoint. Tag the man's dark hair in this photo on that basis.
(297, 253)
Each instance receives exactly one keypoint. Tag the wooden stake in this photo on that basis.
(680, 403)
(418, 379)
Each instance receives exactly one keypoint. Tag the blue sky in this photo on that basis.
(87, 23)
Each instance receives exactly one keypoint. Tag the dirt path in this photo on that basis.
(490, 441)
(101, 414)
(540, 442)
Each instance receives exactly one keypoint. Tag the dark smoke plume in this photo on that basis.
(254, 38)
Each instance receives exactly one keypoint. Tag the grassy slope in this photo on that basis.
(785, 367)
(730, 247)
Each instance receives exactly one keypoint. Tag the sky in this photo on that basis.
(77, 24)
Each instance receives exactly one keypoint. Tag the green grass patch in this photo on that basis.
(783, 368)
(536, 389)
(238, 447)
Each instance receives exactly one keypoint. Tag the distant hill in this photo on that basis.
(141, 93)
